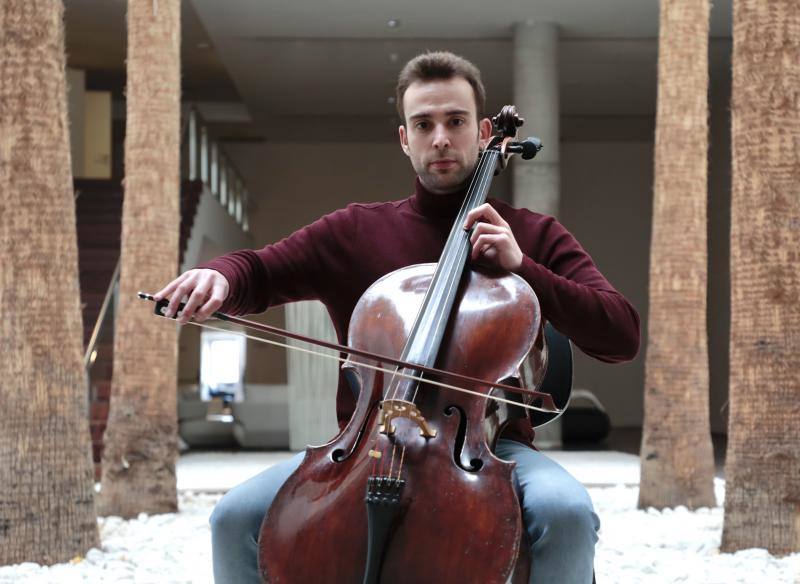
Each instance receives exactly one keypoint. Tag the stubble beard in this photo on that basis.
(443, 183)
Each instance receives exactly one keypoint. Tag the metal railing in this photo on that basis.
(205, 161)
(90, 355)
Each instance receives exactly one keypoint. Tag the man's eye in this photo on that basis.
(421, 125)
(457, 122)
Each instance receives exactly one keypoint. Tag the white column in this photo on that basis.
(312, 380)
(537, 183)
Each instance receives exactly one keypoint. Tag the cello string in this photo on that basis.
(381, 369)
(480, 180)
(445, 266)
(483, 176)
(400, 468)
(452, 259)
(391, 466)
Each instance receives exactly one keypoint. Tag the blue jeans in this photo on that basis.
(556, 512)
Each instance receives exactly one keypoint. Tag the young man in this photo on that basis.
(440, 100)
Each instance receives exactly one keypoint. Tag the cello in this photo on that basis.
(409, 490)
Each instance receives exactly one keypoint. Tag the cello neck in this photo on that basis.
(426, 335)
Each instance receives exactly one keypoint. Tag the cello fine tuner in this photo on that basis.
(375, 453)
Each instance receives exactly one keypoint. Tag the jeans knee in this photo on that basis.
(220, 517)
(229, 520)
(575, 514)
(567, 520)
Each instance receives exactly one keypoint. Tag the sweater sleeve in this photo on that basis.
(575, 297)
(295, 268)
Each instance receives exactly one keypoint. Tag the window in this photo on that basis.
(222, 362)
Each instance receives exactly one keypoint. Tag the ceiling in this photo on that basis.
(327, 67)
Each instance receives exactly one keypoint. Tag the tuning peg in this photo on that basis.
(528, 148)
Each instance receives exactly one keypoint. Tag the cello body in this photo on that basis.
(458, 518)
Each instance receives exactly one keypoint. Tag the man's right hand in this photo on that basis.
(205, 289)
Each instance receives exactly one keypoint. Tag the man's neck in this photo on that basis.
(435, 191)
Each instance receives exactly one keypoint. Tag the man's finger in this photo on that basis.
(214, 301)
(482, 228)
(197, 298)
(177, 296)
(209, 308)
(485, 240)
(169, 288)
(485, 212)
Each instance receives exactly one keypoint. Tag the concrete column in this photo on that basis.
(537, 183)
(312, 379)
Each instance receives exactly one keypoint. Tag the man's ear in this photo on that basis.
(403, 139)
(484, 131)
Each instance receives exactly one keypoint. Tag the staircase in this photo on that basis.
(99, 221)
(98, 209)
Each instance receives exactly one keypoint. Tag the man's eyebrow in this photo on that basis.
(427, 114)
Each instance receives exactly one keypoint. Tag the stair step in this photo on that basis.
(99, 253)
(96, 201)
(102, 389)
(97, 276)
(98, 411)
(105, 218)
(97, 456)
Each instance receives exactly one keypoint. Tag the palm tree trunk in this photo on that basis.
(677, 457)
(46, 480)
(141, 439)
(762, 502)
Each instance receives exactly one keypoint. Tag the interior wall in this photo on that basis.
(606, 202)
(214, 232)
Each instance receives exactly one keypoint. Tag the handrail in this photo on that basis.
(87, 357)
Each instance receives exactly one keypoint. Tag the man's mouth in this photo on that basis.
(443, 163)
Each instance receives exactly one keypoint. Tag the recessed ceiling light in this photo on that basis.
(390, 100)
(393, 23)
(393, 57)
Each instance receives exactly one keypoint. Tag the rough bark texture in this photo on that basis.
(677, 457)
(762, 502)
(46, 480)
(141, 439)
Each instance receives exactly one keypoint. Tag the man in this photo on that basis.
(440, 100)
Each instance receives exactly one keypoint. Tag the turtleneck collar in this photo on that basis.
(436, 206)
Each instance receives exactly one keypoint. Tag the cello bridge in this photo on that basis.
(397, 408)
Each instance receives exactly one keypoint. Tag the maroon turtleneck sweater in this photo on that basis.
(336, 258)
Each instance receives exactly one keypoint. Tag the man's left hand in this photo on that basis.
(493, 243)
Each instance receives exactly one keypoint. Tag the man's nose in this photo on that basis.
(441, 138)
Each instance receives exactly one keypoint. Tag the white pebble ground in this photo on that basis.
(635, 547)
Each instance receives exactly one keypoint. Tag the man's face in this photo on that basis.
(442, 134)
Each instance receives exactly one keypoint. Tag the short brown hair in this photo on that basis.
(440, 65)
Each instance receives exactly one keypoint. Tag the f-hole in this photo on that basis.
(340, 454)
(474, 464)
